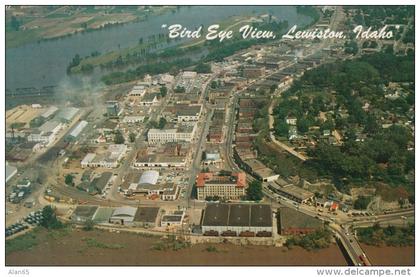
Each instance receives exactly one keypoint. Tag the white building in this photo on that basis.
(137, 91)
(182, 133)
(133, 119)
(110, 159)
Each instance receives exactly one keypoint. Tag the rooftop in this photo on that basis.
(146, 214)
(85, 211)
(149, 177)
(237, 215)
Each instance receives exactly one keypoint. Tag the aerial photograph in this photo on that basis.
(209, 136)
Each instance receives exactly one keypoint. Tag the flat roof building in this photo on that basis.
(146, 216)
(292, 192)
(83, 213)
(237, 219)
(226, 186)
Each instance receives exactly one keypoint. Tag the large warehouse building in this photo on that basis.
(237, 220)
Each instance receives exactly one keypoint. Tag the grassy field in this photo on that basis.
(32, 24)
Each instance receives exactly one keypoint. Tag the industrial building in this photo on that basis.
(110, 159)
(146, 217)
(46, 133)
(49, 112)
(292, 192)
(237, 220)
(83, 213)
(173, 219)
(169, 155)
(100, 183)
(148, 184)
(292, 222)
(77, 130)
(123, 215)
(113, 108)
(211, 184)
(67, 114)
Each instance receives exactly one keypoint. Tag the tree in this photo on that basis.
(49, 218)
(303, 125)
(203, 68)
(88, 225)
(69, 180)
(162, 123)
(361, 202)
(163, 91)
(351, 47)
(119, 138)
(132, 137)
(254, 191)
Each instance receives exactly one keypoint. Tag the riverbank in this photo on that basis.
(77, 247)
(390, 255)
(38, 24)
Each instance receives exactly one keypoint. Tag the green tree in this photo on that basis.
(254, 191)
(361, 202)
(119, 138)
(162, 123)
(163, 91)
(49, 218)
(69, 180)
(132, 137)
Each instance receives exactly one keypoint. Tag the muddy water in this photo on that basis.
(71, 249)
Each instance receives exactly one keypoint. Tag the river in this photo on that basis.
(44, 63)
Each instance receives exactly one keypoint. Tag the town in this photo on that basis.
(255, 148)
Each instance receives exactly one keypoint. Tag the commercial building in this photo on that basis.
(292, 222)
(146, 216)
(113, 108)
(180, 134)
(292, 192)
(148, 184)
(211, 184)
(110, 159)
(77, 130)
(46, 133)
(173, 219)
(259, 170)
(237, 220)
(171, 155)
(123, 216)
(100, 183)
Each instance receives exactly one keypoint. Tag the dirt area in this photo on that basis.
(22, 114)
(132, 249)
(389, 255)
